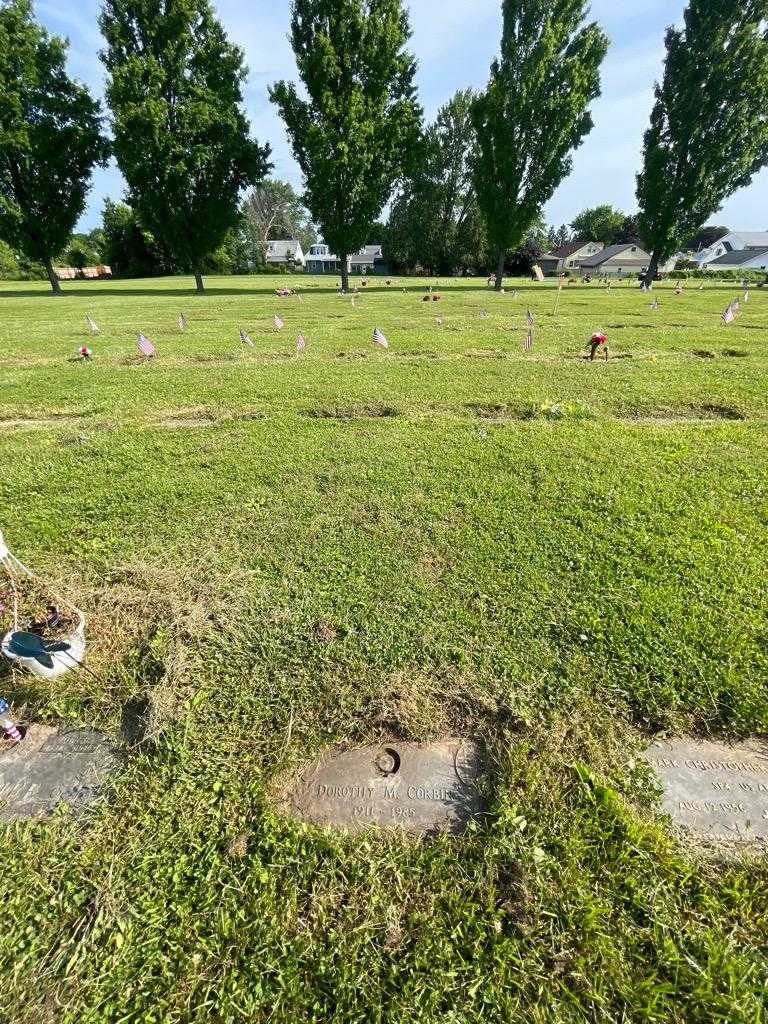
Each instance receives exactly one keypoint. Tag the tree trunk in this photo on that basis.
(500, 270)
(52, 277)
(199, 282)
(650, 274)
(344, 272)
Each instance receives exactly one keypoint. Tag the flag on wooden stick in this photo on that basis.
(245, 338)
(278, 322)
(145, 346)
(301, 343)
(91, 325)
(655, 305)
(379, 339)
(181, 323)
(528, 343)
(529, 318)
(729, 316)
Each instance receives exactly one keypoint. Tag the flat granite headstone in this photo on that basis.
(714, 791)
(53, 766)
(420, 788)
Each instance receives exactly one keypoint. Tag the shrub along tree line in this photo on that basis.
(467, 192)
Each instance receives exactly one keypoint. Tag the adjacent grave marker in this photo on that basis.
(715, 791)
(53, 766)
(422, 789)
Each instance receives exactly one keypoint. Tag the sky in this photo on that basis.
(454, 42)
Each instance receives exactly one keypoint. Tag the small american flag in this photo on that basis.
(529, 318)
(655, 304)
(181, 323)
(245, 338)
(145, 346)
(278, 322)
(353, 302)
(91, 325)
(379, 339)
(528, 343)
(735, 305)
(746, 296)
(301, 343)
(729, 316)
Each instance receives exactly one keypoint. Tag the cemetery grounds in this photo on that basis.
(282, 553)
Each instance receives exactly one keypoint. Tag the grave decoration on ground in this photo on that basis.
(283, 293)
(145, 346)
(379, 339)
(54, 766)
(40, 631)
(421, 789)
(83, 355)
(7, 724)
(714, 791)
(598, 342)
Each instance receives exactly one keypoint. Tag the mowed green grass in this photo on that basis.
(280, 554)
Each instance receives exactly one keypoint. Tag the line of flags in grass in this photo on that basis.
(729, 314)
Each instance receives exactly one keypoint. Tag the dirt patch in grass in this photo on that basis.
(353, 412)
(421, 353)
(486, 353)
(352, 355)
(38, 424)
(735, 353)
(189, 419)
(500, 411)
(705, 413)
(703, 353)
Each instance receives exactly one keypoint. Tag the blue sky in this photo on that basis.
(454, 41)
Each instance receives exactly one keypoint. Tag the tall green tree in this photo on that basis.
(355, 136)
(129, 250)
(708, 134)
(533, 113)
(50, 139)
(181, 138)
(599, 224)
(435, 221)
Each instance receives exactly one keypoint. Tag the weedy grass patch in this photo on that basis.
(561, 558)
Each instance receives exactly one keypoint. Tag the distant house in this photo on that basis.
(320, 260)
(91, 273)
(735, 241)
(285, 252)
(617, 261)
(740, 259)
(569, 257)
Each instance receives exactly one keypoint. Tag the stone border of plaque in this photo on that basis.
(421, 789)
(715, 792)
(54, 766)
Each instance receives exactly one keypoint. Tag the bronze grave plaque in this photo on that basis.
(420, 788)
(714, 791)
(53, 766)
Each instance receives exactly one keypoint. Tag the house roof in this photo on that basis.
(281, 248)
(738, 257)
(753, 239)
(562, 252)
(610, 252)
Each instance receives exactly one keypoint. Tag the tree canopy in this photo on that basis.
(50, 139)
(708, 134)
(354, 136)
(182, 140)
(533, 113)
(599, 224)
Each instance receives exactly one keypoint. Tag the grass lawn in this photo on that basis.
(278, 554)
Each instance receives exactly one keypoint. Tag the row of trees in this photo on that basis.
(475, 181)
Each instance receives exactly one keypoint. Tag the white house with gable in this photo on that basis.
(284, 252)
(731, 251)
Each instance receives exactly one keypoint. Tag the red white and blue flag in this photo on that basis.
(528, 343)
(181, 323)
(301, 343)
(729, 316)
(145, 346)
(529, 318)
(91, 325)
(379, 339)
(245, 338)
(279, 323)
